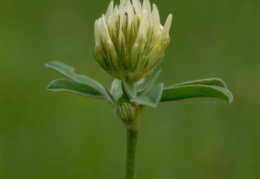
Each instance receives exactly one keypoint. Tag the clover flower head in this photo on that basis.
(130, 40)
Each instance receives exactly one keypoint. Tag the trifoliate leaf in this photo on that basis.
(127, 90)
(208, 81)
(148, 81)
(75, 87)
(68, 71)
(116, 89)
(151, 97)
(191, 91)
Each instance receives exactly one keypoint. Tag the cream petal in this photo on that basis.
(147, 8)
(112, 19)
(129, 11)
(121, 45)
(110, 9)
(108, 42)
(104, 29)
(137, 7)
(155, 18)
(130, 16)
(143, 25)
(122, 12)
(168, 24)
(155, 54)
(97, 30)
(137, 47)
(159, 48)
(121, 38)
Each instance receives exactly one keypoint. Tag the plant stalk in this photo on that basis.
(132, 135)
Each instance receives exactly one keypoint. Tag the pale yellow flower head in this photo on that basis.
(130, 40)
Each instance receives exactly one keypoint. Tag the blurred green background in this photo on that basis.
(47, 135)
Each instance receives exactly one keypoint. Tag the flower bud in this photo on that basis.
(127, 111)
(130, 40)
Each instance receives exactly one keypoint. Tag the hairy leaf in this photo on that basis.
(127, 90)
(148, 81)
(191, 91)
(75, 87)
(151, 97)
(68, 71)
(116, 89)
(208, 81)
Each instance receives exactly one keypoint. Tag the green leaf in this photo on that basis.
(116, 89)
(151, 97)
(191, 91)
(68, 71)
(148, 81)
(75, 87)
(127, 90)
(208, 81)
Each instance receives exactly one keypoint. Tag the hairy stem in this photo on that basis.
(132, 135)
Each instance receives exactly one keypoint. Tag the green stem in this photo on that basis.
(132, 135)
